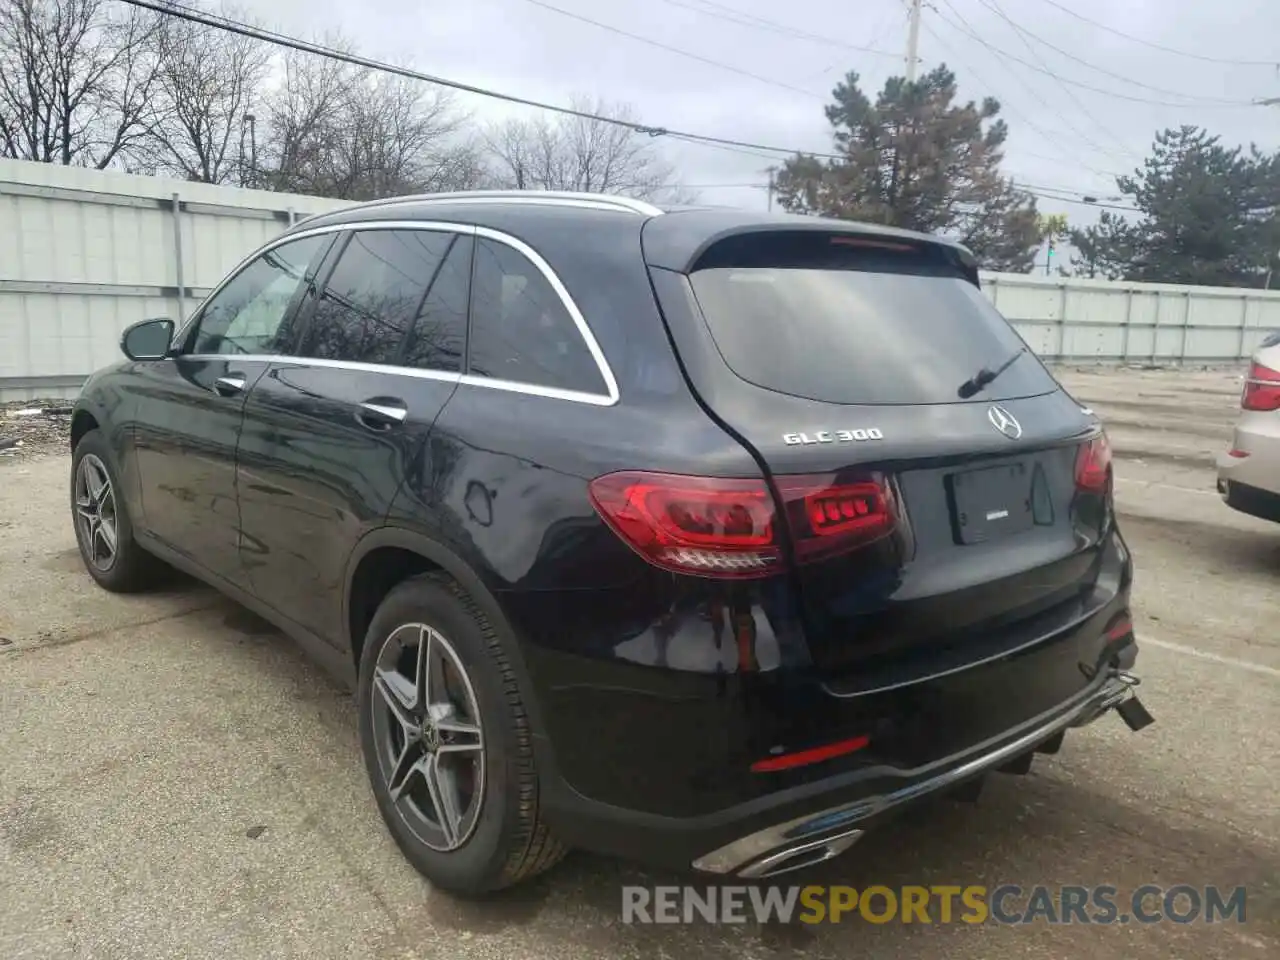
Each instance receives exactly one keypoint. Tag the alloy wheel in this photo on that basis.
(96, 522)
(428, 736)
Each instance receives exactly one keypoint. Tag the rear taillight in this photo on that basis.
(1261, 388)
(1093, 465)
(826, 518)
(721, 528)
(1120, 627)
(730, 528)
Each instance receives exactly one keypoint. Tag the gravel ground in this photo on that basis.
(178, 781)
(24, 434)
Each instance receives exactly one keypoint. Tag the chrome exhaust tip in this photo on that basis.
(1115, 692)
(797, 856)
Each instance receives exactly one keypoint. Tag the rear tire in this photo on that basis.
(104, 531)
(457, 741)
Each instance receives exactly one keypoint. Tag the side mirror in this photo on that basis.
(148, 339)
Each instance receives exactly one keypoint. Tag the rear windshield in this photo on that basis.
(867, 327)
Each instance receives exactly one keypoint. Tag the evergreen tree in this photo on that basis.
(1208, 215)
(917, 159)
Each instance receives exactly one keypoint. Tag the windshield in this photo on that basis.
(870, 336)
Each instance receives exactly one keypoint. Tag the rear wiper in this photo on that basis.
(984, 376)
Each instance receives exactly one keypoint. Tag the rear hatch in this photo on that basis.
(932, 520)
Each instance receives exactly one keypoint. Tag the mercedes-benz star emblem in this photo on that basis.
(1005, 422)
(430, 736)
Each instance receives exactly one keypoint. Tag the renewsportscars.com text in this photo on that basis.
(1005, 904)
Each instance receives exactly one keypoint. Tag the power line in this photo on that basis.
(1023, 31)
(1079, 201)
(1156, 46)
(1031, 89)
(729, 15)
(229, 25)
(1072, 196)
(1023, 35)
(697, 57)
(1064, 195)
(747, 150)
(219, 22)
(1027, 183)
(1205, 104)
(1049, 137)
(1067, 161)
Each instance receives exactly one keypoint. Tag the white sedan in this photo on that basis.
(1249, 473)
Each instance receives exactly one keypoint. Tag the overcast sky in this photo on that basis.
(1062, 136)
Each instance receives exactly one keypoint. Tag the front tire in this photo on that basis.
(447, 743)
(104, 531)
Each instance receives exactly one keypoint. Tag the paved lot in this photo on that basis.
(177, 781)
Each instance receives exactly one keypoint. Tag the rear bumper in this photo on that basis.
(1249, 480)
(818, 836)
(654, 764)
(1247, 499)
(810, 823)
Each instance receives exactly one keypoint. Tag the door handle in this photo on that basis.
(229, 385)
(382, 413)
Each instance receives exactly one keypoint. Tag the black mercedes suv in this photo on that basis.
(696, 536)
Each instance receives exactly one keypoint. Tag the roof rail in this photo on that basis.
(602, 201)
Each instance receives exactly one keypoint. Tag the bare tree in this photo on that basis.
(398, 139)
(577, 153)
(208, 81)
(335, 130)
(77, 79)
(300, 115)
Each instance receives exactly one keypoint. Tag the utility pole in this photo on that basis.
(913, 40)
(771, 187)
(251, 120)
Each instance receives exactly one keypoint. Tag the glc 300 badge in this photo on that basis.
(833, 436)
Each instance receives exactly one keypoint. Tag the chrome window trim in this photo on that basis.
(443, 376)
(281, 359)
(607, 399)
(536, 390)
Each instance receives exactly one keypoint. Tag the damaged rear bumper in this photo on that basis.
(819, 836)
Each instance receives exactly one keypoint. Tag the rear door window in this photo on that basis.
(860, 325)
(377, 301)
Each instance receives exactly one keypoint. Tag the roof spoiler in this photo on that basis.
(682, 241)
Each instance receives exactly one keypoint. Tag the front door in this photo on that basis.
(190, 406)
(330, 433)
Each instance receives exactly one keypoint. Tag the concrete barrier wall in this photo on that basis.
(84, 253)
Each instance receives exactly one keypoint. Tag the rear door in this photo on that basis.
(931, 516)
(331, 431)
